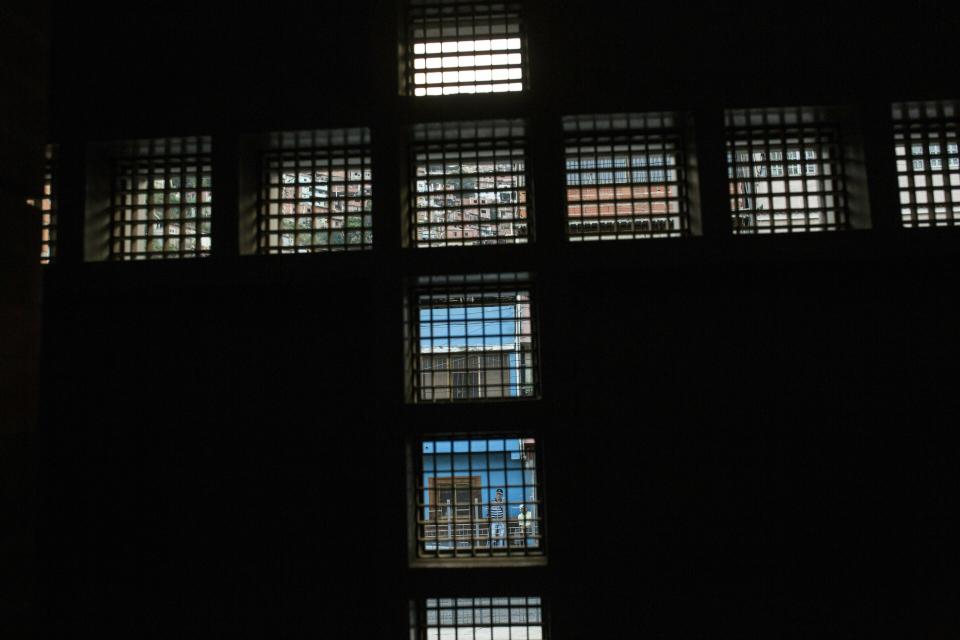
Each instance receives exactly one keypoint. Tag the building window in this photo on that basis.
(786, 173)
(928, 163)
(316, 192)
(504, 618)
(162, 200)
(457, 47)
(469, 184)
(473, 339)
(478, 497)
(46, 202)
(624, 177)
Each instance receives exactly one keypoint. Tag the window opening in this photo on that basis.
(503, 618)
(474, 339)
(46, 202)
(785, 169)
(928, 163)
(457, 47)
(162, 200)
(624, 177)
(469, 184)
(479, 497)
(317, 192)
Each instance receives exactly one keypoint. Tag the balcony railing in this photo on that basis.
(479, 535)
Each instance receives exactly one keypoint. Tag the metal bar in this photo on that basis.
(162, 201)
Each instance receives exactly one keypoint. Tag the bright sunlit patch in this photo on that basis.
(473, 340)
(927, 149)
(482, 619)
(489, 67)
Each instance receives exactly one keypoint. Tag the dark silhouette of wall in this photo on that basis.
(24, 42)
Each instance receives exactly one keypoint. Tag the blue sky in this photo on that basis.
(482, 326)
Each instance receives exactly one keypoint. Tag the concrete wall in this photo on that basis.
(23, 109)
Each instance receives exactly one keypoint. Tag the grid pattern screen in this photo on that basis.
(624, 177)
(317, 193)
(507, 618)
(464, 47)
(474, 339)
(469, 184)
(162, 200)
(785, 172)
(478, 498)
(928, 164)
(47, 204)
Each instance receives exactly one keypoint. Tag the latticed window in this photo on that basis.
(503, 618)
(469, 184)
(316, 192)
(785, 170)
(162, 200)
(473, 338)
(928, 163)
(479, 497)
(46, 202)
(456, 46)
(624, 177)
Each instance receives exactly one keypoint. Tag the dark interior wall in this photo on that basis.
(230, 454)
(186, 66)
(24, 42)
(742, 436)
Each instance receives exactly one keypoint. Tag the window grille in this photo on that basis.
(317, 192)
(624, 177)
(928, 163)
(456, 47)
(786, 172)
(504, 618)
(479, 497)
(469, 184)
(162, 200)
(46, 202)
(473, 338)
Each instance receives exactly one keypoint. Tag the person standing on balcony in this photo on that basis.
(525, 520)
(496, 514)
